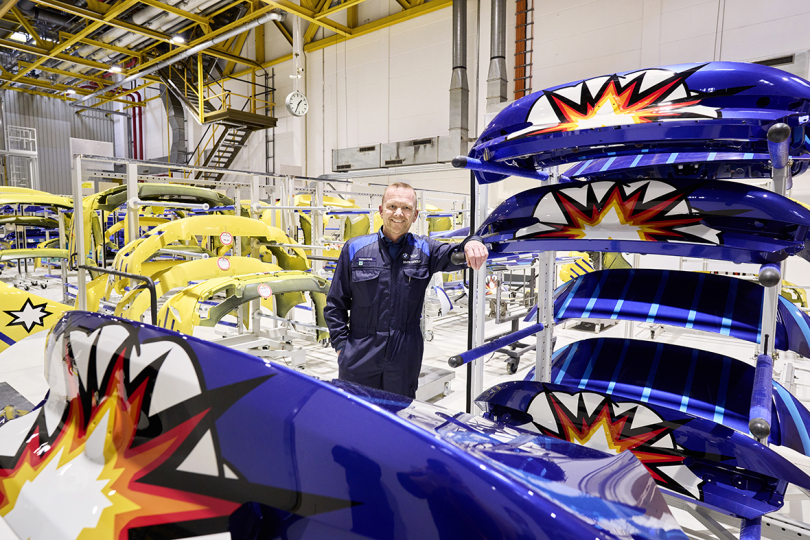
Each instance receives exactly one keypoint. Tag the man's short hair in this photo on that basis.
(400, 185)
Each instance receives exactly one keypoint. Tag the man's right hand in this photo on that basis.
(340, 351)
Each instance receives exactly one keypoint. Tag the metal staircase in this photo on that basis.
(226, 147)
(229, 127)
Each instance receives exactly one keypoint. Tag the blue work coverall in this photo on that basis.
(381, 342)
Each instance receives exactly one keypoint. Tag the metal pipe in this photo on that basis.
(759, 422)
(272, 16)
(464, 162)
(459, 89)
(492, 346)
(496, 77)
(459, 34)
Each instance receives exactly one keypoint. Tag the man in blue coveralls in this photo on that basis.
(381, 278)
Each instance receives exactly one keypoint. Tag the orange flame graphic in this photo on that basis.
(643, 220)
(133, 504)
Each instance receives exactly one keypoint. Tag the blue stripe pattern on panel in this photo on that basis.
(672, 158)
(618, 366)
(568, 358)
(636, 160)
(658, 294)
(5, 339)
(595, 296)
(711, 156)
(689, 377)
(653, 369)
(584, 166)
(571, 296)
(729, 314)
(360, 243)
(690, 320)
(795, 416)
(607, 164)
(585, 376)
(618, 307)
(720, 406)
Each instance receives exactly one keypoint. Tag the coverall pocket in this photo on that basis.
(416, 281)
(365, 282)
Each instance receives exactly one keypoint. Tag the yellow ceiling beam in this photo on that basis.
(405, 5)
(285, 32)
(50, 86)
(22, 47)
(236, 49)
(309, 15)
(125, 92)
(215, 52)
(340, 7)
(113, 12)
(271, 63)
(43, 94)
(312, 29)
(177, 11)
(81, 76)
(5, 6)
(103, 18)
(379, 24)
(100, 45)
(28, 28)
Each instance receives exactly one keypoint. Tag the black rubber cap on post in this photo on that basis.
(458, 257)
(459, 162)
(759, 428)
(455, 361)
(778, 133)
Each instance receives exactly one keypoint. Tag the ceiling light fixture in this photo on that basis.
(115, 69)
(178, 39)
(70, 91)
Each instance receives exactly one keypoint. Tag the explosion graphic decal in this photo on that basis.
(647, 211)
(652, 95)
(598, 422)
(130, 447)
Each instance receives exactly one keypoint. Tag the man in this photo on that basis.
(382, 278)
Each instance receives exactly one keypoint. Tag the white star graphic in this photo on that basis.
(29, 316)
(611, 227)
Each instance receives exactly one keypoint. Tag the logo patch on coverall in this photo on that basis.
(366, 259)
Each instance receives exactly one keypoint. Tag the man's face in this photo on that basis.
(398, 211)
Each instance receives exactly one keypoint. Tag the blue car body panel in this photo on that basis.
(713, 107)
(711, 303)
(692, 457)
(264, 451)
(701, 383)
(691, 218)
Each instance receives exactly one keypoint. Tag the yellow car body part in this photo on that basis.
(181, 312)
(37, 199)
(132, 256)
(136, 301)
(579, 267)
(24, 314)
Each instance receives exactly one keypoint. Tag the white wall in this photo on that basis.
(577, 39)
(393, 84)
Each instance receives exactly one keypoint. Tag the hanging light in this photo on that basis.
(70, 91)
(178, 39)
(115, 69)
